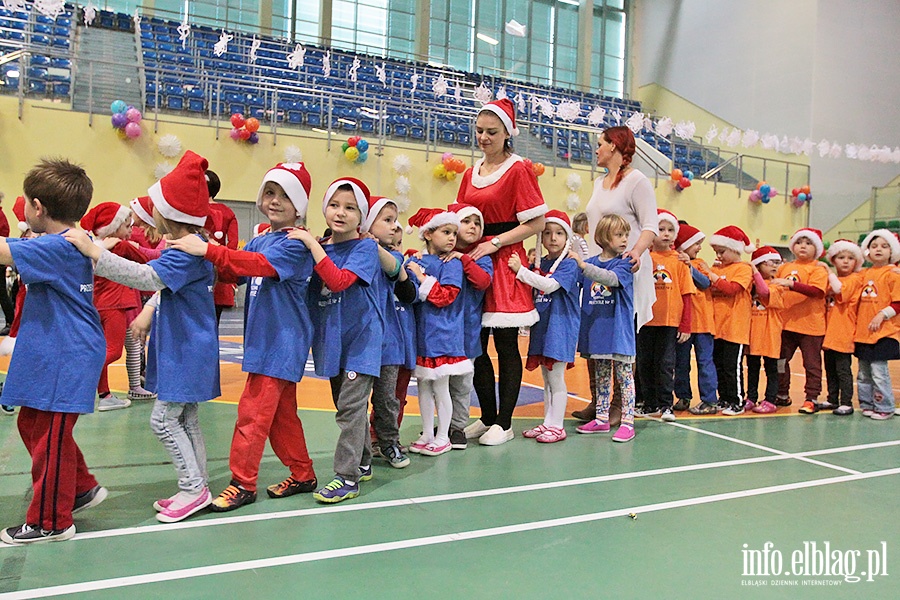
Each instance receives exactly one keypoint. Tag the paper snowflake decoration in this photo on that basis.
(254, 48)
(184, 31)
(685, 130)
(380, 73)
(439, 87)
(326, 64)
(483, 94)
(851, 151)
(711, 134)
(354, 68)
(402, 185)
(402, 204)
(137, 21)
(16, 5)
(162, 169)
(414, 79)
(297, 57)
(90, 13)
(617, 116)
(734, 138)
(546, 107)
(402, 164)
(784, 146)
(49, 8)
(520, 102)
(573, 182)
(664, 127)
(292, 154)
(573, 202)
(723, 135)
(457, 92)
(837, 150)
(221, 47)
(635, 122)
(568, 110)
(750, 138)
(169, 145)
(769, 141)
(806, 146)
(596, 116)
(501, 93)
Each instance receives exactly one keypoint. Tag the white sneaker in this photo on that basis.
(475, 429)
(113, 402)
(140, 393)
(668, 416)
(496, 435)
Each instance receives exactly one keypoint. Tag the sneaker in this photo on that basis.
(868, 412)
(843, 410)
(625, 433)
(809, 408)
(551, 435)
(682, 404)
(667, 415)
(291, 486)
(337, 490)
(7, 410)
(534, 431)
(476, 429)
(112, 402)
(704, 408)
(765, 408)
(140, 393)
(782, 401)
(594, 426)
(434, 449)
(733, 411)
(183, 506)
(395, 457)
(163, 503)
(232, 497)
(458, 439)
(90, 498)
(365, 473)
(643, 411)
(749, 405)
(496, 435)
(30, 534)
(416, 446)
(826, 405)
(881, 416)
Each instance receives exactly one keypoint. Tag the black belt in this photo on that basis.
(495, 229)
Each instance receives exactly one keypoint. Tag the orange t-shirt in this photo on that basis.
(732, 313)
(672, 279)
(880, 287)
(765, 323)
(840, 315)
(702, 320)
(803, 314)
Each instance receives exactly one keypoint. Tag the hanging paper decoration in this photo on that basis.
(254, 48)
(381, 73)
(90, 13)
(162, 169)
(457, 93)
(568, 110)
(573, 182)
(137, 22)
(439, 87)
(356, 149)
(50, 8)
(169, 145)
(414, 80)
(297, 57)
(221, 47)
(402, 164)
(244, 130)
(596, 116)
(501, 93)
(483, 94)
(326, 63)
(402, 185)
(573, 202)
(354, 68)
(685, 130)
(14, 5)
(617, 116)
(184, 31)
(292, 154)
(635, 122)
(546, 107)
(664, 126)
(520, 102)
(750, 138)
(711, 134)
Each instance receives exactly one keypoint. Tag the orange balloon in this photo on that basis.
(460, 166)
(805, 189)
(677, 174)
(538, 169)
(252, 124)
(760, 184)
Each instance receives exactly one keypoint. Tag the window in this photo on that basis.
(608, 58)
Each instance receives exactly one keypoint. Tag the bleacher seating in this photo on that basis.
(46, 71)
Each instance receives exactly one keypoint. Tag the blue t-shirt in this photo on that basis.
(472, 300)
(392, 346)
(348, 326)
(439, 330)
(277, 326)
(60, 349)
(556, 332)
(183, 353)
(607, 314)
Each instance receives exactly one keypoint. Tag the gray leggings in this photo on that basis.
(177, 426)
(350, 391)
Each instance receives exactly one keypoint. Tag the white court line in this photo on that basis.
(306, 557)
(332, 509)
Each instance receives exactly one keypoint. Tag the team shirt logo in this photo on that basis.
(662, 275)
(86, 288)
(757, 305)
(869, 290)
(600, 294)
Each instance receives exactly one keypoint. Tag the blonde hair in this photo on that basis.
(580, 223)
(608, 226)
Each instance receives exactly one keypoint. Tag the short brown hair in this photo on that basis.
(63, 188)
(607, 227)
(580, 223)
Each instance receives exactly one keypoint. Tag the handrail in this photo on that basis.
(660, 170)
(715, 170)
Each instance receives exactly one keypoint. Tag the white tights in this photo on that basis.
(435, 393)
(555, 394)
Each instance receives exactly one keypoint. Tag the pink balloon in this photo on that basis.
(754, 196)
(773, 192)
(235, 133)
(133, 130)
(133, 115)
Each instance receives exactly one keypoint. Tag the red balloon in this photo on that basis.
(353, 140)
(245, 134)
(684, 182)
(795, 191)
(237, 120)
(252, 124)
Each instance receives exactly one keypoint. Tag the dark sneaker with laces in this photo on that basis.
(90, 498)
(7, 410)
(365, 473)
(232, 497)
(395, 456)
(458, 439)
(337, 490)
(32, 534)
(291, 486)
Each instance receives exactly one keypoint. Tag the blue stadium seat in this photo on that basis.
(196, 105)
(174, 102)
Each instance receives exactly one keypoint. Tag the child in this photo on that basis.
(841, 306)
(803, 316)
(703, 327)
(670, 325)
(606, 332)
(277, 338)
(554, 336)
(876, 328)
(579, 230)
(765, 330)
(348, 328)
(54, 378)
(478, 275)
(407, 320)
(731, 281)
(17, 296)
(222, 225)
(183, 363)
(440, 339)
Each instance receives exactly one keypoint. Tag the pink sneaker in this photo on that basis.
(765, 408)
(163, 503)
(594, 426)
(179, 510)
(534, 431)
(417, 446)
(551, 435)
(749, 405)
(625, 433)
(433, 449)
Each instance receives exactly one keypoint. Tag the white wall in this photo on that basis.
(806, 68)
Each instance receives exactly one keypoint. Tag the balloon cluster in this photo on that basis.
(800, 195)
(126, 119)
(244, 130)
(682, 179)
(449, 167)
(763, 193)
(355, 149)
(536, 168)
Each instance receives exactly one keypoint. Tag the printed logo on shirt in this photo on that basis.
(830, 302)
(757, 305)
(794, 276)
(86, 288)
(255, 284)
(209, 289)
(662, 275)
(600, 294)
(869, 290)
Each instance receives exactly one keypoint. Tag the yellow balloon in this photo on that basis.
(351, 153)
(440, 171)
(450, 175)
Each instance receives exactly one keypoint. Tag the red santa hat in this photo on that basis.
(296, 182)
(889, 236)
(182, 195)
(688, 235)
(464, 210)
(429, 219)
(19, 210)
(733, 238)
(763, 254)
(668, 216)
(813, 235)
(104, 219)
(376, 203)
(142, 207)
(842, 245)
(260, 229)
(561, 219)
(504, 109)
(360, 192)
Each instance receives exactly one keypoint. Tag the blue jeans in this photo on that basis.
(872, 377)
(177, 426)
(707, 379)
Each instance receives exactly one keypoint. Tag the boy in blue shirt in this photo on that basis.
(53, 378)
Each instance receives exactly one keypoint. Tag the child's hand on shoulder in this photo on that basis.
(451, 255)
(416, 269)
(788, 283)
(576, 256)
(110, 242)
(515, 263)
(191, 244)
(683, 257)
(301, 235)
(83, 243)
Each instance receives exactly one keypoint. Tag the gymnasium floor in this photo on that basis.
(518, 520)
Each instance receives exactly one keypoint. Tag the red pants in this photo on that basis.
(58, 470)
(114, 323)
(268, 409)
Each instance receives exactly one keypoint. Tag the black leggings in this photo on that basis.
(509, 362)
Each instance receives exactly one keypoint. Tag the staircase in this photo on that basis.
(107, 68)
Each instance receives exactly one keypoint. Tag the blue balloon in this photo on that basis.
(118, 107)
(765, 199)
(363, 156)
(362, 146)
(689, 175)
(802, 197)
(764, 190)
